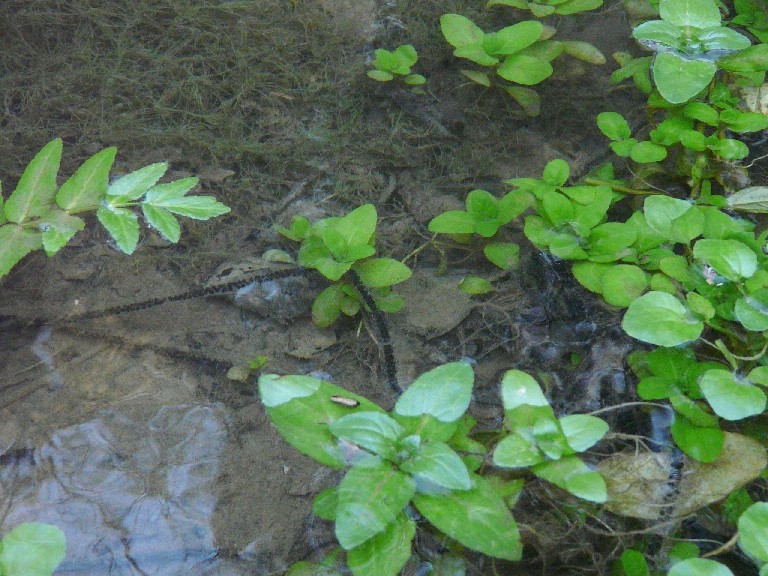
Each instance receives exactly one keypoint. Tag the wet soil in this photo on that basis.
(130, 427)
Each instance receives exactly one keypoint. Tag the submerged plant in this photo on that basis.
(41, 214)
(396, 64)
(32, 549)
(420, 455)
(341, 249)
(520, 54)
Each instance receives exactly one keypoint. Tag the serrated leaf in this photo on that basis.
(163, 221)
(160, 193)
(88, 185)
(135, 184)
(370, 497)
(477, 518)
(58, 227)
(122, 225)
(37, 186)
(15, 243)
(195, 207)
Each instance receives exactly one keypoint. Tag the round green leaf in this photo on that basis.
(730, 397)
(699, 567)
(623, 283)
(613, 125)
(475, 285)
(753, 531)
(752, 311)
(646, 152)
(380, 75)
(524, 69)
(658, 32)
(453, 222)
(729, 258)
(695, 13)
(514, 38)
(32, 549)
(678, 79)
(661, 319)
(505, 255)
(519, 388)
(702, 443)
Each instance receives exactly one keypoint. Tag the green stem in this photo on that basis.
(617, 187)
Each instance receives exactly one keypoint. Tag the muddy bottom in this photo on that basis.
(124, 430)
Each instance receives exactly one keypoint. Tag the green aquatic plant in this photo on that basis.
(689, 41)
(542, 8)
(520, 55)
(32, 549)
(39, 214)
(396, 64)
(341, 249)
(422, 454)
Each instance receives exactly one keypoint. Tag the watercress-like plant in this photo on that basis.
(421, 454)
(689, 41)
(338, 247)
(396, 64)
(519, 54)
(41, 214)
(542, 8)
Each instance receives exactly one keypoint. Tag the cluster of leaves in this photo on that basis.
(396, 64)
(337, 246)
(32, 549)
(421, 455)
(520, 54)
(543, 8)
(40, 214)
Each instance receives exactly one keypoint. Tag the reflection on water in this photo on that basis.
(132, 497)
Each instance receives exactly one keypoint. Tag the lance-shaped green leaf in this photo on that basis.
(171, 197)
(122, 225)
(370, 497)
(134, 185)
(477, 518)
(572, 475)
(373, 431)
(163, 221)
(437, 468)
(386, 553)
(37, 186)
(15, 243)
(381, 272)
(731, 398)
(302, 409)
(443, 392)
(661, 319)
(88, 185)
